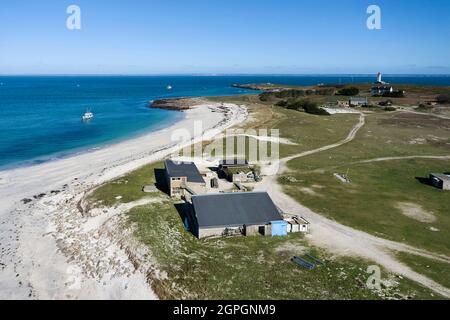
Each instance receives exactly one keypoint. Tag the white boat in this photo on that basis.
(169, 87)
(88, 116)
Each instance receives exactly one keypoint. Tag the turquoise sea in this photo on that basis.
(40, 116)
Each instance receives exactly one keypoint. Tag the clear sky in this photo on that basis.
(224, 36)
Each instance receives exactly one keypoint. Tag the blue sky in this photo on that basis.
(218, 36)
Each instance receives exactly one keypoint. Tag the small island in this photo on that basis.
(175, 104)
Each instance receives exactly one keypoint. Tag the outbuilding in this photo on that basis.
(232, 213)
(440, 180)
(182, 177)
(358, 101)
(237, 170)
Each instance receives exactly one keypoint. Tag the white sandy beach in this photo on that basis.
(48, 250)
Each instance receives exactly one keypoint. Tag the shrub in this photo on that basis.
(281, 103)
(265, 96)
(308, 106)
(443, 98)
(350, 91)
(395, 94)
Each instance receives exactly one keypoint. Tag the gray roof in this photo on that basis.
(233, 162)
(359, 99)
(442, 176)
(234, 209)
(183, 169)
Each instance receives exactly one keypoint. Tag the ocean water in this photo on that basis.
(40, 116)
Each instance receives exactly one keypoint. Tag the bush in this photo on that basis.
(296, 93)
(351, 91)
(443, 98)
(326, 91)
(389, 109)
(424, 107)
(281, 103)
(395, 94)
(265, 96)
(308, 106)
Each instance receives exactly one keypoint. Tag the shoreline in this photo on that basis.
(65, 154)
(32, 231)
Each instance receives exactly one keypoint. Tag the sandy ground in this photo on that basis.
(50, 250)
(416, 212)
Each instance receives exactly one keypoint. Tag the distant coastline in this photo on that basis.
(121, 106)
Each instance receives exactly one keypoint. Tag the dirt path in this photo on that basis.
(350, 137)
(427, 114)
(344, 240)
(403, 158)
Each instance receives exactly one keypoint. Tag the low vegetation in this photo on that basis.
(296, 93)
(304, 130)
(251, 267)
(305, 105)
(125, 189)
(259, 267)
(435, 270)
(370, 201)
(443, 99)
(350, 91)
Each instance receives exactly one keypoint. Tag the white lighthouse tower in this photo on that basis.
(379, 80)
(379, 77)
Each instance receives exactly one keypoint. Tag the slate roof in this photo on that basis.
(442, 176)
(183, 169)
(234, 209)
(358, 99)
(233, 162)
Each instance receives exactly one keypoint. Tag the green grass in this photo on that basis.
(236, 268)
(435, 270)
(370, 202)
(250, 267)
(306, 130)
(259, 267)
(129, 187)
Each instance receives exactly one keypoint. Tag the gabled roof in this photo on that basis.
(442, 176)
(234, 209)
(189, 170)
(358, 99)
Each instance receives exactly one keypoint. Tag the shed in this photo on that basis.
(358, 101)
(279, 228)
(297, 224)
(233, 162)
(440, 180)
(213, 214)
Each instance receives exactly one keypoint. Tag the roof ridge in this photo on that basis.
(227, 193)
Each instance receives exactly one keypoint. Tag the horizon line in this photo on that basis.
(220, 74)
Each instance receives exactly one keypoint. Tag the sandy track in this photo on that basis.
(403, 158)
(426, 114)
(345, 240)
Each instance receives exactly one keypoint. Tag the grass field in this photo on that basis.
(238, 268)
(438, 271)
(252, 267)
(371, 201)
(260, 268)
(128, 187)
(306, 130)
